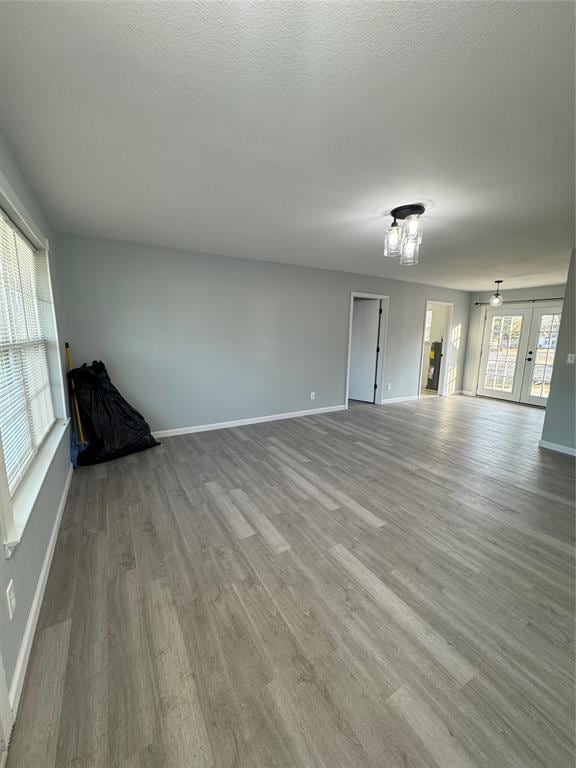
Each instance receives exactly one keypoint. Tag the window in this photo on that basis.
(26, 407)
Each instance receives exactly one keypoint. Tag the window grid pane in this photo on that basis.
(544, 355)
(503, 352)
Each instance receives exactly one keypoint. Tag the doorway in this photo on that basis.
(435, 348)
(518, 350)
(366, 339)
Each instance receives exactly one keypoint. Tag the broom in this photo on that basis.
(78, 441)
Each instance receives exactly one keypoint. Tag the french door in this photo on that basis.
(518, 353)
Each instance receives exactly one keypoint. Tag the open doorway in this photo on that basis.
(435, 348)
(366, 339)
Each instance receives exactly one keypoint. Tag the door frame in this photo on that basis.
(382, 341)
(528, 304)
(446, 348)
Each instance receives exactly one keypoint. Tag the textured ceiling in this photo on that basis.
(281, 131)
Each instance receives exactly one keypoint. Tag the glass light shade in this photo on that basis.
(393, 241)
(496, 300)
(413, 227)
(410, 251)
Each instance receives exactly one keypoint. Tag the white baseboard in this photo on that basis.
(245, 422)
(557, 447)
(26, 645)
(468, 393)
(390, 400)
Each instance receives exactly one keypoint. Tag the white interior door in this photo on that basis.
(540, 355)
(364, 354)
(503, 353)
(518, 353)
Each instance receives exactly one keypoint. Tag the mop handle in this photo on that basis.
(73, 393)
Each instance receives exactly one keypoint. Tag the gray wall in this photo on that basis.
(560, 421)
(26, 562)
(474, 343)
(192, 339)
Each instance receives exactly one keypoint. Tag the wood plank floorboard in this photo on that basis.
(387, 587)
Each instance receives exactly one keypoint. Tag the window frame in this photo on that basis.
(15, 508)
(20, 346)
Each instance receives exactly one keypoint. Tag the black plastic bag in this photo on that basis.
(112, 427)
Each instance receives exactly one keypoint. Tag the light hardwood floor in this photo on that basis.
(390, 587)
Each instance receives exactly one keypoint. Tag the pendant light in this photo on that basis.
(410, 251)
(404, 239)
(393, 240)
(413, 227)
(497, 299)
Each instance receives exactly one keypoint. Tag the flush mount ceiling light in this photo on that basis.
(403, 239)
(497, 299)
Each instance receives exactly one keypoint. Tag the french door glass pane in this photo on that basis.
(503, 352)
(545, 352)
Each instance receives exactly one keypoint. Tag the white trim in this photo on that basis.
(16, 211)
(27, 491)
(244, 422)
(6, 716)
(14, 208)
(557, 447)
(55, 370)
(8, 531)
(468, 392)
(382, 341)
(26, 645)
(390, 400)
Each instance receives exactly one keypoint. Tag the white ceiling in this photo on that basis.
(282, 131)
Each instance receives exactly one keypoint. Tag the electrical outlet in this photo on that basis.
(571, 358)
(11, 599)
(389, 387)
(312, 395)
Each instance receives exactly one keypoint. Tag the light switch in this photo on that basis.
(571, 358)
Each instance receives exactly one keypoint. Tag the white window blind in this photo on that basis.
(26, 409)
